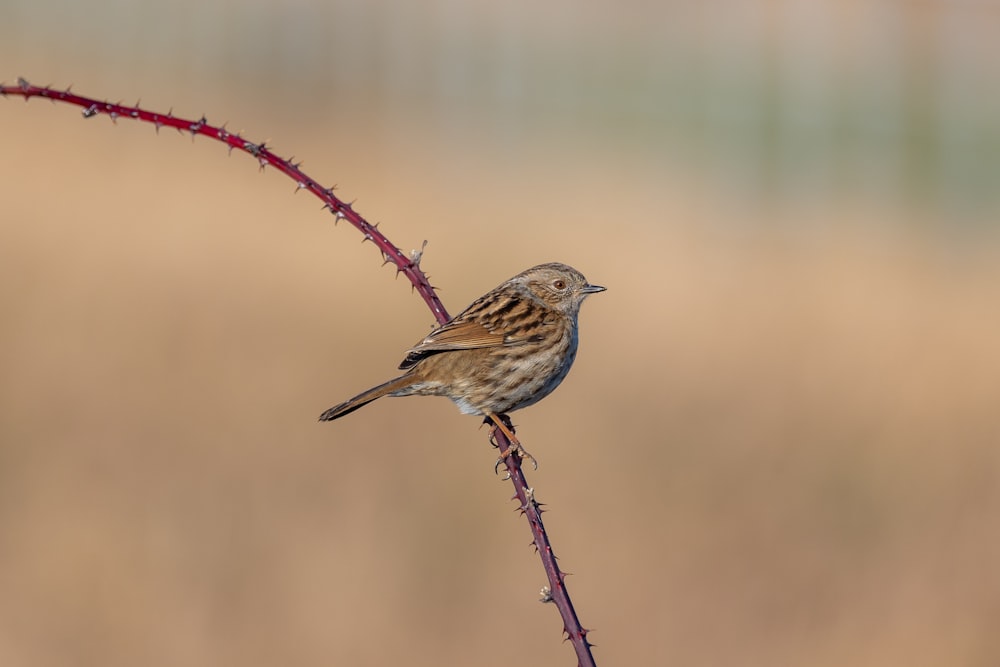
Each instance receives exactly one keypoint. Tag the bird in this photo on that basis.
(508, 350)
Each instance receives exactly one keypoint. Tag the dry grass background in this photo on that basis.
(777, 447)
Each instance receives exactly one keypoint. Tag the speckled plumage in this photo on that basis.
(508, 350)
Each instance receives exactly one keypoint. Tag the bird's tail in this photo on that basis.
(365, 398)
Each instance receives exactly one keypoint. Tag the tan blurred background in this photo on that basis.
(779, 445)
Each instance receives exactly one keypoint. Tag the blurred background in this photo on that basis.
(779, 445)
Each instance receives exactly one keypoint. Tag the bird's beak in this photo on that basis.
(592, 289)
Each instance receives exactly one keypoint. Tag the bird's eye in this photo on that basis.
(559, 284)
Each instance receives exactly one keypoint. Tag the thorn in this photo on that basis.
(196, 127)
(23, 83)
(570, 636)
(300, 186)
(386, 259)
(417, 255)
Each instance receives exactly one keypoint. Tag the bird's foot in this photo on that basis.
(502, 423)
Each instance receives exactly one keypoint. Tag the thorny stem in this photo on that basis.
(340, 209)
(556, 590)
(408, 265)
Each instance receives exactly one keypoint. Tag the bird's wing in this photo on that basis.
(481, 325)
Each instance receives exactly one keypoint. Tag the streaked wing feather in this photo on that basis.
(463, 335)
(489, 322)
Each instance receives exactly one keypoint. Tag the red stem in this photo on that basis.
(342, 210)
(557, 593)
(410, 266)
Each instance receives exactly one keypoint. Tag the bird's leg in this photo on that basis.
(503, 424)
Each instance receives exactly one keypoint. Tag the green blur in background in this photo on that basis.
(767, 101)
(779, 444)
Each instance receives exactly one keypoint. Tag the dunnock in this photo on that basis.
(506, 351)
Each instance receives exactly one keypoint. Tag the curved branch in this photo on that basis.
(408, 265)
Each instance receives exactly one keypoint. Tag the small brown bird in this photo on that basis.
(506, 351)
